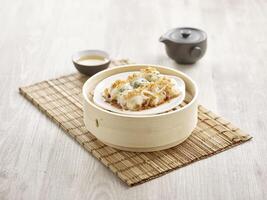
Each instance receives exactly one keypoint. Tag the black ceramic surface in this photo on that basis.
(185, 45)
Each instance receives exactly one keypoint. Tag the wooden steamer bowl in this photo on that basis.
(142, 133)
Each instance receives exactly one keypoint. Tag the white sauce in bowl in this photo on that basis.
(91, 60)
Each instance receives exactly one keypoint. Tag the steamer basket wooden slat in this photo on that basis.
(61, 100)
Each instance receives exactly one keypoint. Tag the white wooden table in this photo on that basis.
(37, 39)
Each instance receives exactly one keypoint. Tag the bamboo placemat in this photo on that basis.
(60, 99)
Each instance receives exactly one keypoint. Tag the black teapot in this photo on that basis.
(185, 45)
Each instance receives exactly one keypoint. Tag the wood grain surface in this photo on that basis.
(37, 39)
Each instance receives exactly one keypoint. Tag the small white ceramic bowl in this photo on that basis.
(140, 133)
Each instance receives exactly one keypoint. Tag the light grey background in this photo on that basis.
(37, 39)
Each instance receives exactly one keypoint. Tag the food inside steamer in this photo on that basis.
(141, 90)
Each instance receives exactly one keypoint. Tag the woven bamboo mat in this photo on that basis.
(60, 99)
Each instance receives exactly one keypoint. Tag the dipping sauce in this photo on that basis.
(92, 60)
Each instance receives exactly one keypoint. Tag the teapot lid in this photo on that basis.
(186, 35)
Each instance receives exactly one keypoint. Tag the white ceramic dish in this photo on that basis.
(100, 101)
(139, 132)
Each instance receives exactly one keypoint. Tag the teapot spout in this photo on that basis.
(163, 39)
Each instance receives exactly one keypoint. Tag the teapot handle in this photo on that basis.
(195, 51)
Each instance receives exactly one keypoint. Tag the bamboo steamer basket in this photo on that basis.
(139, 133)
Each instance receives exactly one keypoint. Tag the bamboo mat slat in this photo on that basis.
(60, 99)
